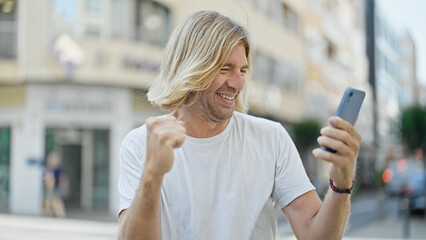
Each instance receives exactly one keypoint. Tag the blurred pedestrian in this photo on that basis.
(209, 171)
(56, 186)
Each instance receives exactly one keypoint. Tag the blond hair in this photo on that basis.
(196, 51)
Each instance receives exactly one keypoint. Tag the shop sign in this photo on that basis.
(61, 106)
(132, 63)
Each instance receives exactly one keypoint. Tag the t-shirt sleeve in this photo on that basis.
(132, 159)
(291, 180)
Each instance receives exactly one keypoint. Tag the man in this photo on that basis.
(208, 171)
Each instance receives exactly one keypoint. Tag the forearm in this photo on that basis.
(142, 219)
(330, 222)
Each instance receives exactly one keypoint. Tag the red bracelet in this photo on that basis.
(338, 190)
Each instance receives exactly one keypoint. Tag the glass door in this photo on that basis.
(84, 155)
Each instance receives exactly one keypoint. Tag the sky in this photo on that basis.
(409, 15)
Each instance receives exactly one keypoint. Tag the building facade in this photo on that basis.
(335, 43)
(73, 83)
(73, 79)
(392, 75)
(409, 92)
(74, 76)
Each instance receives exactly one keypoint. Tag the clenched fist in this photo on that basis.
(163, 135)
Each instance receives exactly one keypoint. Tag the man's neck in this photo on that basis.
(197, 126)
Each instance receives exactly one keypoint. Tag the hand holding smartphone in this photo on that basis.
(349, 107)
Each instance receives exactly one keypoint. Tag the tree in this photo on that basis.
(305, 138)
(413, 129)
(306, 133)
(413, 132)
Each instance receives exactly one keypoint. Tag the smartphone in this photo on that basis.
(349, 107)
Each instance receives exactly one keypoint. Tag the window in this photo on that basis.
(291, 19)
(65, 10)
(276, 13)
(118, 24)
(279, 12)
(93, 31)
(330, 6)
(8, 29)
(285, 75)
(379, 31)
(263, 68)
(88, 173)
(379, 59)
(93, 5)
(263, 6)
(331, 50)
(100, 168)
(4, 168)
(152, 22)
(316, 5)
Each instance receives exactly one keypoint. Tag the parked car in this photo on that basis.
(401, 178)
(416, 183)
(408, 180)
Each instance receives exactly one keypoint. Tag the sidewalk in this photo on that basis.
(16, 227)
(390, 228)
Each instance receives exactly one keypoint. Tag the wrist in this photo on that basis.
(342, 177)
(339, 189)
(151, 175)
(346, 184)
(152, 169)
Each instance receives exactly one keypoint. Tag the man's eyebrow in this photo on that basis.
(245, 66)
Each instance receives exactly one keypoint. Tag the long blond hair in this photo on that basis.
(199, 46)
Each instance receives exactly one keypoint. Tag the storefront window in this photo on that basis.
(50, 141)
(4, 168)
(84, 159)
(93, 31)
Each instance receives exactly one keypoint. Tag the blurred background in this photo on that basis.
(74, 76)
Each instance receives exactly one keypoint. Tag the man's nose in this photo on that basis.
(237, 80)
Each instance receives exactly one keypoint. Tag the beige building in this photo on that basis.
(335, 50)
(73, 74)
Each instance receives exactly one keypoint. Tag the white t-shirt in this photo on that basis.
(223, 187)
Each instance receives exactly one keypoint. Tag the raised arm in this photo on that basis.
(142, 219)
(311, 219)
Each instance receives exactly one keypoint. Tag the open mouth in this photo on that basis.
(226, 97)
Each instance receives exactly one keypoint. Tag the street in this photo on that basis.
(368, 221)
(367, 208)
(373, 216)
